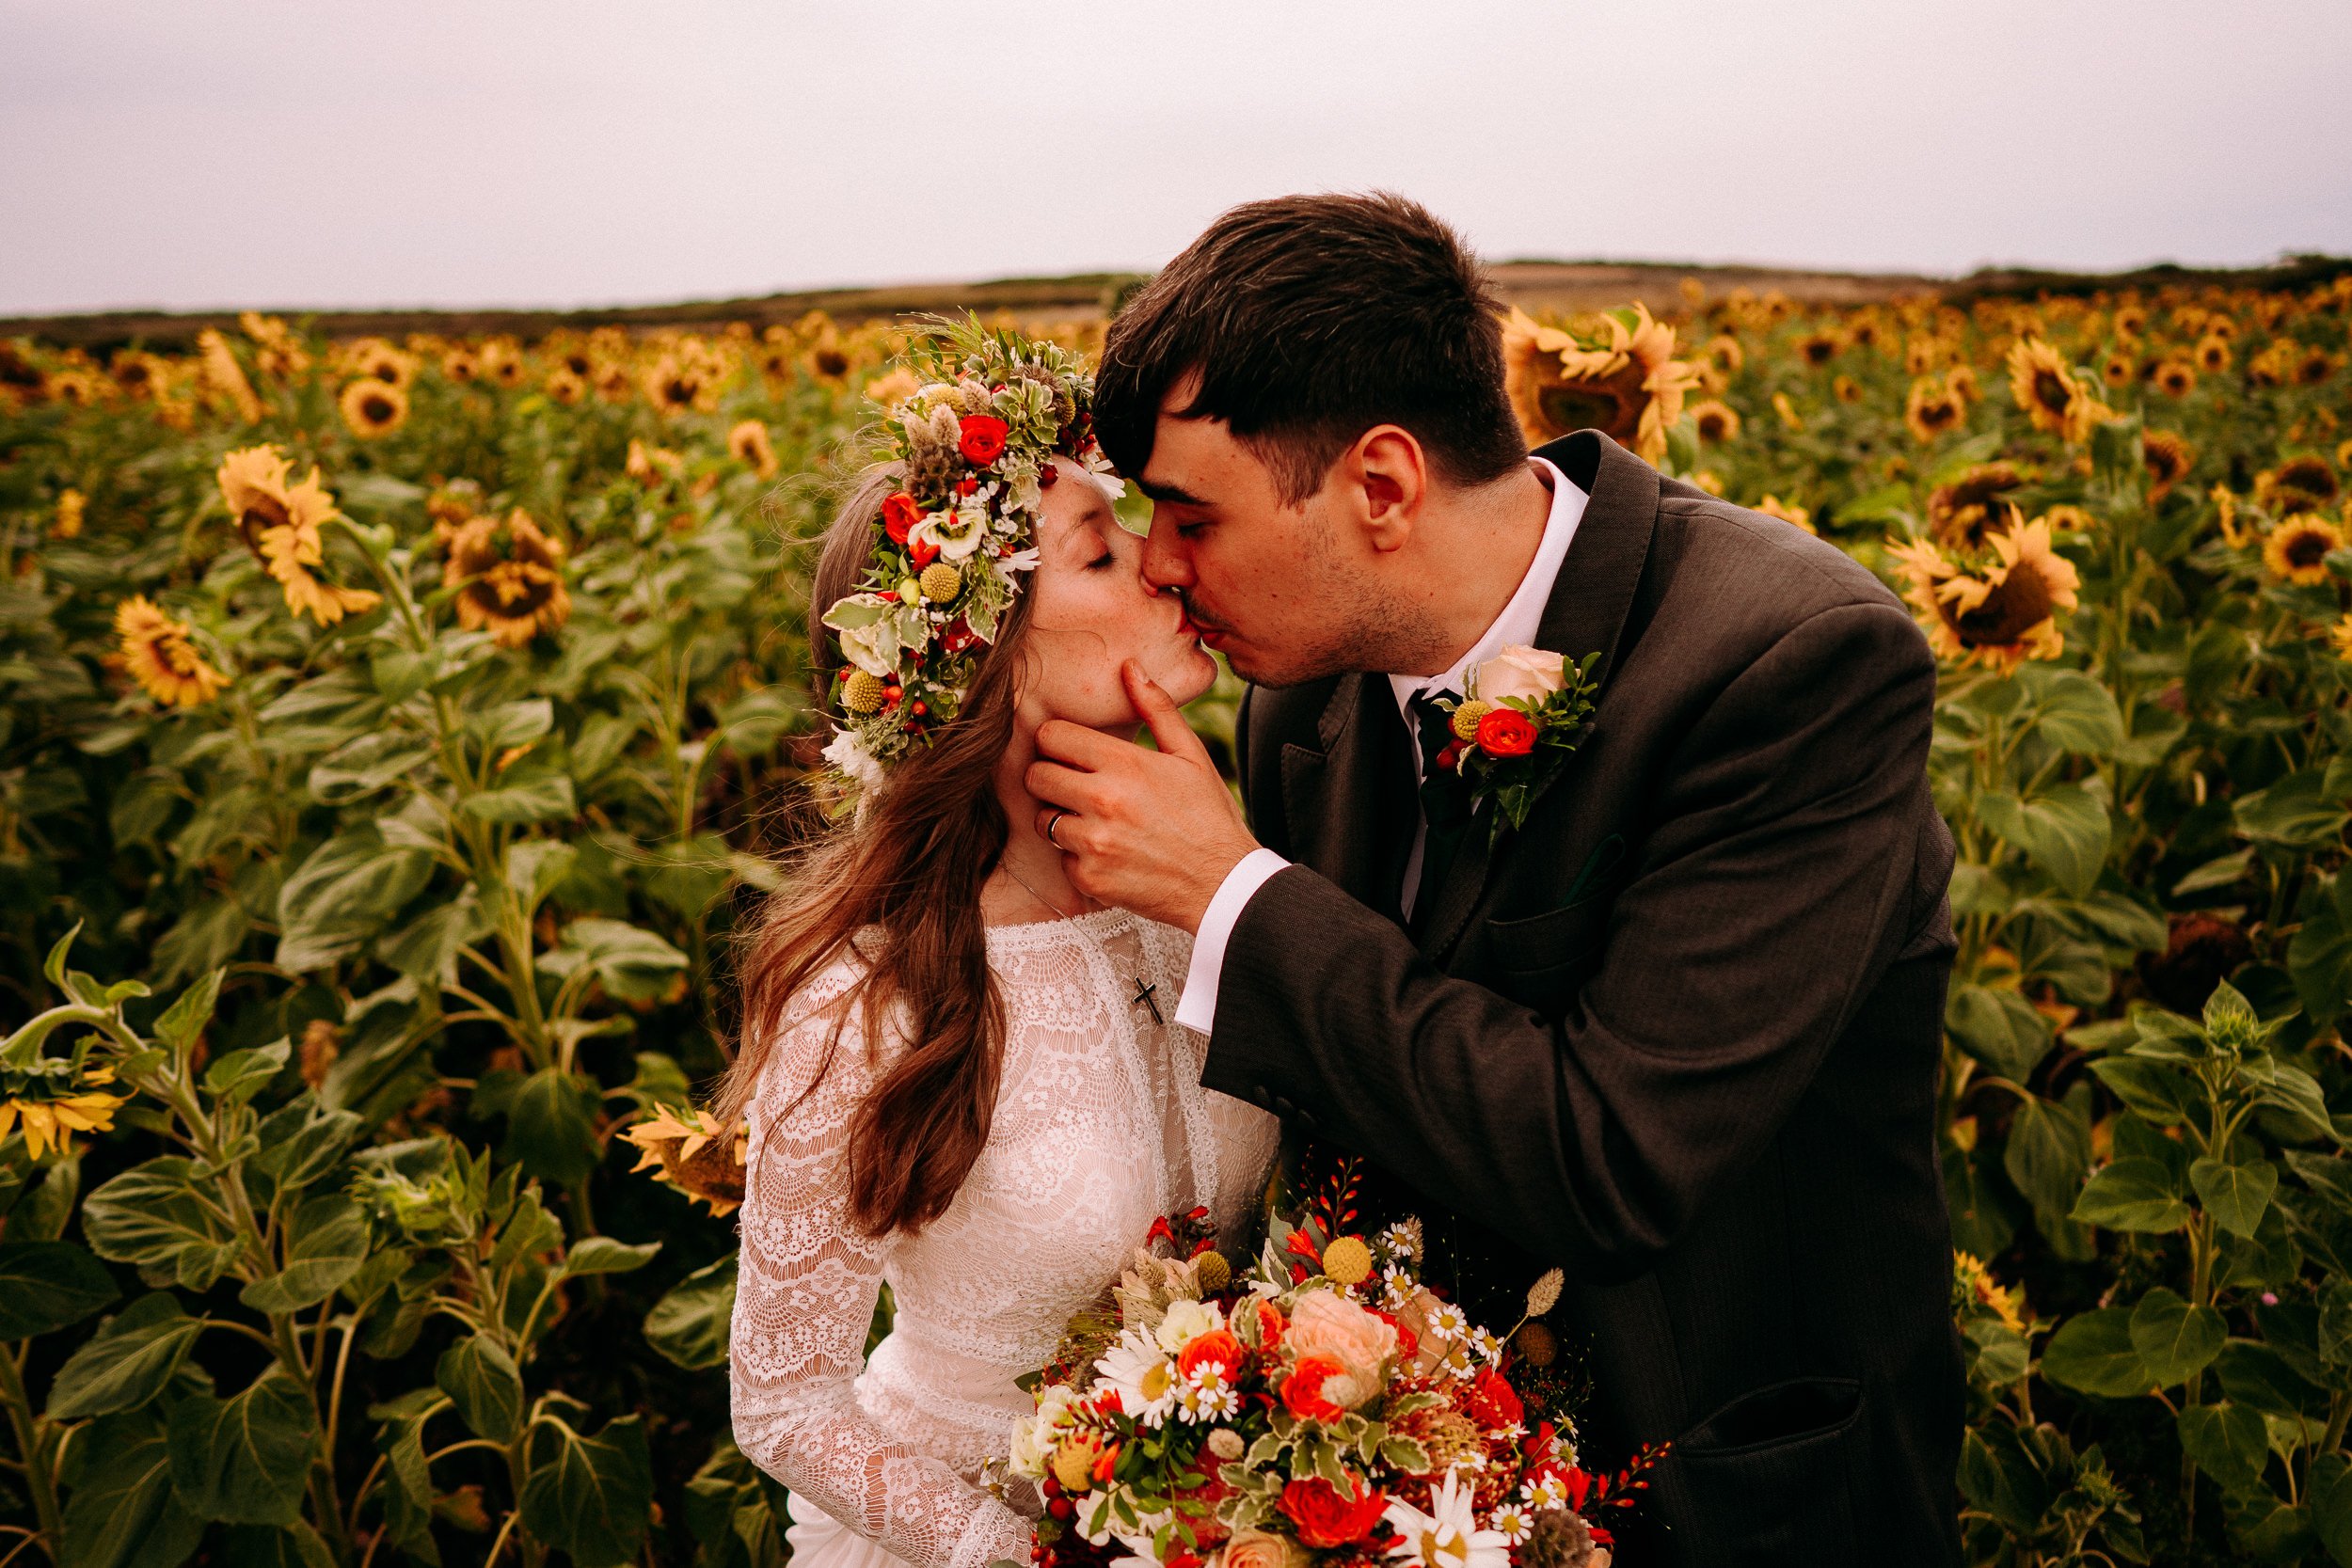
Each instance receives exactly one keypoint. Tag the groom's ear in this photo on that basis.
(1383, 479)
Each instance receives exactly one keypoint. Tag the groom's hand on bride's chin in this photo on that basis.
(1153, 831)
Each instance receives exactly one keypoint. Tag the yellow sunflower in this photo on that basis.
(1933, 409)
(2000, 614)
(2225, 513)
(67, 524)
(1788, 512)
(2340, 638)
(2175, 377)
(280, 522)
(677, 383)
(2131, 321)
(2314, 366)
(509, 577)
(565, 385)
(2213, 354)
(2298, 549)
(2169, 459)
(1958, 513)
(892, 388)
(2046, 390)
(76, 386)
(1716, 422)
(50, 1119)
(140, 376)
(1819, 348)
(224, 377)
(1844, 389)
(2303, 484)
(501, 361)
(2119, 369)
(825, 357)
(1630, 386)
(374, 360)
(156, 652)
(690, 1151)
(1961, 379)
(1723, 352)
(461, 364)
(374, 409)
(650, 465)
(748, 444)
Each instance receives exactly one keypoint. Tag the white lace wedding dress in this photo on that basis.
(1100, 1126)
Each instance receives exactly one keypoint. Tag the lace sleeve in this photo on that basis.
(804, 1300)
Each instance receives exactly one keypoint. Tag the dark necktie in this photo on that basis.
(1445, 805)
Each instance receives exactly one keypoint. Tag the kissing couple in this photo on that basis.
(1585, 887)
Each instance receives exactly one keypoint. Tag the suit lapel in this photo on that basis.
(1587, 609)
(1351, 803)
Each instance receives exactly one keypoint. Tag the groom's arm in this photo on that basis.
(1771, 896)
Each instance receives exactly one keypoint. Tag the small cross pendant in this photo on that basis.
(1144, 992)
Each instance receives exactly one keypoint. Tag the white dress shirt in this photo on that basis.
(1517, 625)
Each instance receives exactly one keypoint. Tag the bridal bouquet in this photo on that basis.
(1323, 1408)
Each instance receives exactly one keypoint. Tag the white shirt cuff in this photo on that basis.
(1196, 1009)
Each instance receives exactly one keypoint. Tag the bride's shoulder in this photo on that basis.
(820, 1030)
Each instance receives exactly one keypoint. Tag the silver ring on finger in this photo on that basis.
(1051, 823)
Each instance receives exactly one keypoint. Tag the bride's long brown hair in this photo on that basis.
(910, 864)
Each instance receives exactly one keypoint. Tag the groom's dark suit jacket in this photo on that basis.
(1679, 1034)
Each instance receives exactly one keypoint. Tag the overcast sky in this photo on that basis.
(329, 152)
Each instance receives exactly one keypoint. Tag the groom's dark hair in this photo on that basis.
(1308, 320)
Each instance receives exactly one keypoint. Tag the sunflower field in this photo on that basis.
(395, 732)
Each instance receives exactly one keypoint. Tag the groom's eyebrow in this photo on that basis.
(1174, 494)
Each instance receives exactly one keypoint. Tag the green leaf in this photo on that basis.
(536, 866)
(1999, 1028)
(2076, 715)
(2328, 1491)
(2335, 1321)
(2132, 1194)
(2295, 814)
(244, 1460)
(122, 1513)
(359, 769)
(127, 1362)
(516, 723)
(45, 1286)
(2157, 1090)
(2093, 1352)
(186, 1018)
(2234, 1194)
(2047, 1153)
(482, 1381)
(2320, 955)
(1999, 1476)
(2255, 1374)
(590, 1497)
(551, 1126)
(241, 1074)
(2063, 831)
(2175, 1340)
(2228, 1442)
(529, 798)
(330, 1242)
(633, 963)
(352, 881)
(295, 1546)
(689, 1326)
(603, 1254)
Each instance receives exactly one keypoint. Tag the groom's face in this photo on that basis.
(1263, 577)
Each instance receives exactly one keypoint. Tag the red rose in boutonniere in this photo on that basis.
(983, 438)
(1526, 710)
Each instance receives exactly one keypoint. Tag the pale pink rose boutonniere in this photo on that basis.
(1526, 712)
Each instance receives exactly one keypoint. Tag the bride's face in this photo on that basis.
(1093, 611)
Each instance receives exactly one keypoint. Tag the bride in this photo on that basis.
(962, 1079)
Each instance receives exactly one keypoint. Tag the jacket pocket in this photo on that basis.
(1770, 1478)
(1541, 960)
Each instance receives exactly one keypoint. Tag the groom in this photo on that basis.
(1677, 1032)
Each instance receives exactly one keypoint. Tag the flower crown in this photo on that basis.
(975, 443)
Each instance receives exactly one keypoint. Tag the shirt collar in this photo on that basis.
(1523, 616)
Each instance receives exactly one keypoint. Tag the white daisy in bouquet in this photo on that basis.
(1323, 1409)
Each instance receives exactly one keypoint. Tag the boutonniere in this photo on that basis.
(1526, 712)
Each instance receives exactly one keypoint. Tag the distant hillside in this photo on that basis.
(1535, 284)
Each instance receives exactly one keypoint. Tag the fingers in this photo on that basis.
(1076, 745)
(1070, 788)
(1168, 729)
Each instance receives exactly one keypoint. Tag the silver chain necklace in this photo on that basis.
(1146, 993)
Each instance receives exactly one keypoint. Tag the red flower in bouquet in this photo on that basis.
(1302, 1391)
(1491, 1401)
(901, 512)
(1216, 1346)
(983, 440)
(1505, 732)
(1327, 1517)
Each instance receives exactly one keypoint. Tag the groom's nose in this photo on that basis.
(1167, 562)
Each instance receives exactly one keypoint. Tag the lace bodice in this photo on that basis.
(1100, 1126)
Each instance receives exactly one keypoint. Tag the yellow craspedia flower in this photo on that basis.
(940, 582)
(1212, 1273)
(67, 524)
(156, 651)
(1464, 719)
(2298, 549)
(863, 692)
(1347, 1260)
(374, 409)
(748, 444)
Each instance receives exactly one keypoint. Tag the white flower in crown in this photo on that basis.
(1529, 674)
(955, 534)
(1012, 565)
(854, 760)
